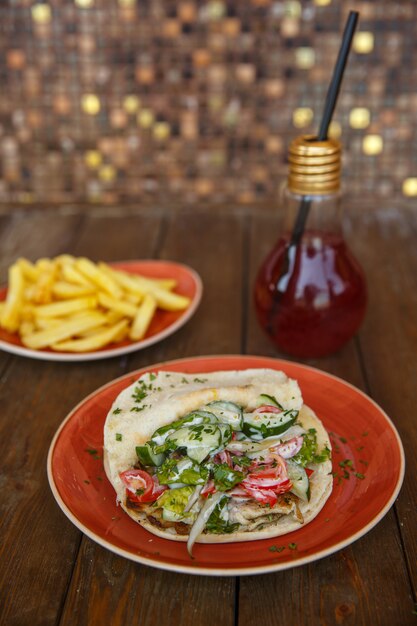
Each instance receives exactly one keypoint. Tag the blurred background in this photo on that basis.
(110, 101)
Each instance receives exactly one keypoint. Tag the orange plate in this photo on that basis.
(360, 431)
(163, 324)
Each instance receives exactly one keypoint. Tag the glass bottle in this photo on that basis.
(310, 292)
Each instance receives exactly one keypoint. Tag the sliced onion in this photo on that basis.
(269, 442)
(193, 498)
(202, 519)
(289, 448)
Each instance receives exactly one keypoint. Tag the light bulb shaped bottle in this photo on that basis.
(310, 295)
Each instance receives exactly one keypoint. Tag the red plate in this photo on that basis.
(163, 324)
(362, 434)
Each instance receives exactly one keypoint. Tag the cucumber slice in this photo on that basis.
(199, 454)
(199, 440)
(228, 413)
(191, 419)
(147, 456)
(300, 483)
(226, 434)
(265, 399)
(261, 425)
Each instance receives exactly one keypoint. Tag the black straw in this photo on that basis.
(329, 107)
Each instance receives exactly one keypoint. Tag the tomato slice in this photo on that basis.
(268, 408)
(140, 486)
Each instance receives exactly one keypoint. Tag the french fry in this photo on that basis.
(164, 283)
(72, 275)
(28, 269)
(126, 308)
(10, 317)
(124, 280)
(127, 281)
(65, 330)
(26, 328)
(143, 318)
(165, 299)
(99, 278)
(65, 308)
(65, 290)
(94, 342)
(41, 323)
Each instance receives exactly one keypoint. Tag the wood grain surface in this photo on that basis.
(50, 574)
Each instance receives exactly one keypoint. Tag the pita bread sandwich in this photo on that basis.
(220, 457)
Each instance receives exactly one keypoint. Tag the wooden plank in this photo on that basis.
(38, 544)
(346, 587)
(388, 251)
(117, 591)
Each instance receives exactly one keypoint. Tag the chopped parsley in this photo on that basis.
(346, 463)
(217, 523)
(119, 436)
(359, 475)
(93, 452)
(292, 546)
(343, 439)
(117, 411)
(226, 478)
(152, 376)
(276, 548)
(200, 380)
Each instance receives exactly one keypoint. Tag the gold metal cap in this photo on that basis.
(315, 166)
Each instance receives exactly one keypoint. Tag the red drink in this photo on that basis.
(313, 300)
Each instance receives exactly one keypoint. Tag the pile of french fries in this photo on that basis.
(74, 305)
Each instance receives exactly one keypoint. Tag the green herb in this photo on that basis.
(346, 463)
(242, 461)
(185, 381)
(276, 548)
(140, 492)
(200, 380)
(226, 478)
(139, 393)
(359, 475)
(217, 524)
(119, 437)
(343, 439)
(346, 475)
(138, 409)
(360, 448)
(117, 411)
(92, 452)
(152, 376)
(308, 452)
(365, 434)
(292, 546)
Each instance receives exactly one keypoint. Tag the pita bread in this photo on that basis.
(167, 396)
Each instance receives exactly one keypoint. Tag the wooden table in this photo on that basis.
(53, 575)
